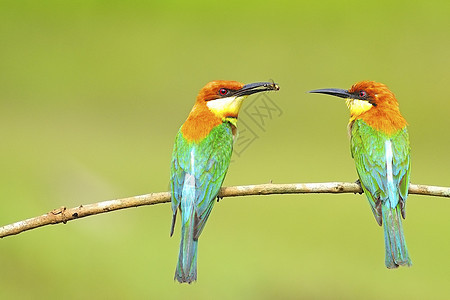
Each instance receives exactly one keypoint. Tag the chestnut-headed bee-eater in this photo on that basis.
(200, 160)
(380, 148)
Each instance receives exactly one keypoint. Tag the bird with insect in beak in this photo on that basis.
(380, 147)
(200, 160)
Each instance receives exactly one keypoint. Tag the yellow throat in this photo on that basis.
(226, 107)
(357, 107)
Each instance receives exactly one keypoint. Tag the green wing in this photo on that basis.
(373, 162)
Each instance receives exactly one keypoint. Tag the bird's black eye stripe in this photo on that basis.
(360, 95)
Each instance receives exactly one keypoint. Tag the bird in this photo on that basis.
(200, 160)
(381, 150)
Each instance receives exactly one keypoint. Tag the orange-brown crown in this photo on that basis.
(212, 90)
(384, 114)
(378, 94)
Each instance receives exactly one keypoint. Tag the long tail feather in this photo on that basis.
(396, 250)
(187, 260)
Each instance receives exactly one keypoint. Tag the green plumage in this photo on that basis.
(383, 165)
(197, 172)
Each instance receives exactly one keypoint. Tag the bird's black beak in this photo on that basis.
(333, 92)
(256, 87)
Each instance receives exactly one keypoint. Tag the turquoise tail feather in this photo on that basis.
(396, 250)
(187, 259)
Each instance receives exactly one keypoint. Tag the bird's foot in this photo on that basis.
(358, 182)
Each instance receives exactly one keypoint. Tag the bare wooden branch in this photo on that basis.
(63, 214)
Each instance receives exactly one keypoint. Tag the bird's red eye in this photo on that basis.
(362, 93)
(223, 92)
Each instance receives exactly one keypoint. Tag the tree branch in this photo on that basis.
(63, 214)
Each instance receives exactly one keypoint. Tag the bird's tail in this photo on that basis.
(187, 260)
(396, 250)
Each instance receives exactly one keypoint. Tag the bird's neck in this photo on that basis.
(385, 119)
(199, 123)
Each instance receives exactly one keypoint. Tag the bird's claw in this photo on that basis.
(358, 182)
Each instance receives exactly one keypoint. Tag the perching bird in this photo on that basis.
(380, 148)
(200, 160)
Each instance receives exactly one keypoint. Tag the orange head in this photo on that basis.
(373, 102)
(219, 101)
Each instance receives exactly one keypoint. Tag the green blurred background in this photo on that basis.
(93, 92)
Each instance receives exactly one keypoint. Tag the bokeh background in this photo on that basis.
(92, 94)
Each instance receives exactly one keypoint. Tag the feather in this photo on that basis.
(383, 165)
(198, 170)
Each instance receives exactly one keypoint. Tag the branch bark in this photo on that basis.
(63, 214)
